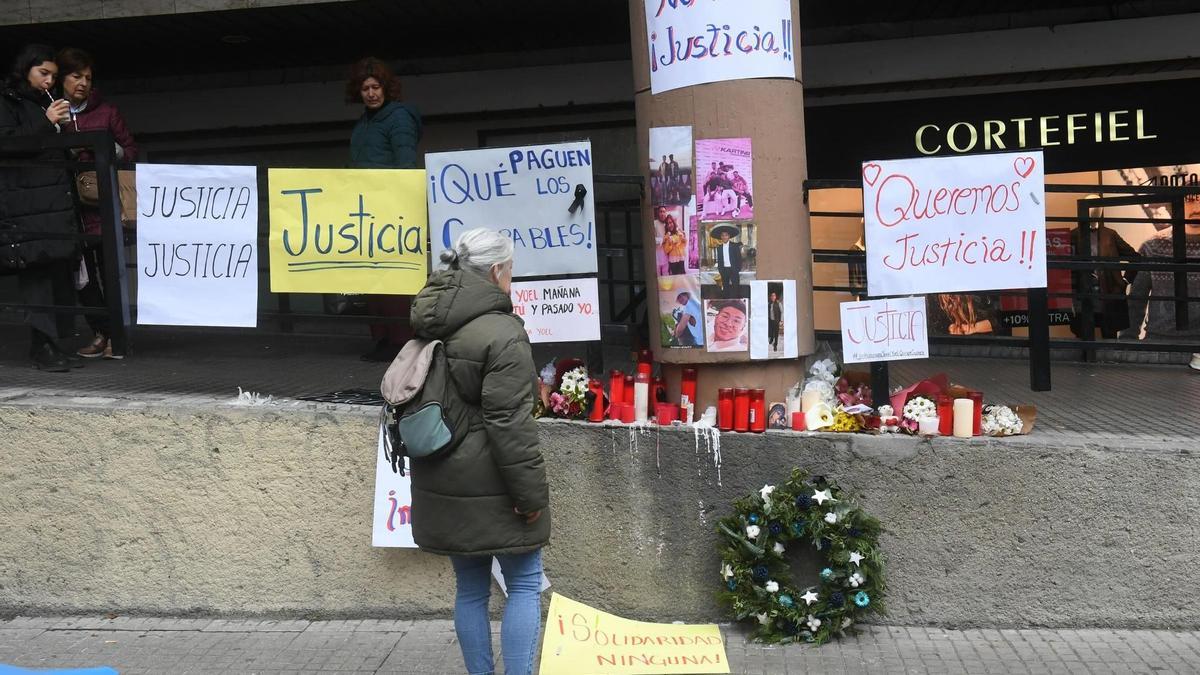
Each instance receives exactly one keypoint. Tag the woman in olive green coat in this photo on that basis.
(489, 496)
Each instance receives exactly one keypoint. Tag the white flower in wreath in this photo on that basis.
(752, 531)
(857, 580)
(831, 517)
(766, 491)
(763, 618)
(813, 623)
(779, 548)
(772, 587)
(726, 572)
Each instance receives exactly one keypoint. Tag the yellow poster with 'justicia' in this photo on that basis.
(348, 231)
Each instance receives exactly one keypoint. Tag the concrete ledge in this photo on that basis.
(207, 509)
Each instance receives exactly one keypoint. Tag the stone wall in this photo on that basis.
(215, 509)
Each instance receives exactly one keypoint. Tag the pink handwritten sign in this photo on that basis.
(884, 330)
(693, 42)
(951, 224)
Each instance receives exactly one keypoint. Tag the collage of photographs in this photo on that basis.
(706, 246)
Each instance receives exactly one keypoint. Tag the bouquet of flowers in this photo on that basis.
(564, 390)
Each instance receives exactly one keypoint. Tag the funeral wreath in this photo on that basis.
(756, 575)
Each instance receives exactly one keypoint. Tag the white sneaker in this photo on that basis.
(1195, 362)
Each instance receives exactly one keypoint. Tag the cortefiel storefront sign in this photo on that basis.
(952, 224)
(699, 41)
(1078, 128)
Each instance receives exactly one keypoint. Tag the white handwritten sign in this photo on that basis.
(392, 524)
(884, 330)
(693, 42)
(949, 224)
(197, 245)
(525, 193)
(558, 310)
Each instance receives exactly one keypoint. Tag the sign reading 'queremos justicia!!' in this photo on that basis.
(951, 224)
(197, 244)
(698, 41)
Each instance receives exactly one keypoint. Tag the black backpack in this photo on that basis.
(423, 415)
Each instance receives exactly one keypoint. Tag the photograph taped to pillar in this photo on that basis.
(692, 43)
(680, 311)
(726, 319)
(670, 240)
(773, 319)
(672, 172)
(197, 245)
(540, 196)
(726, 189)
(729, 256)
(953, 224)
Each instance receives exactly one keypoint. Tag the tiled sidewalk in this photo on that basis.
(184, 646)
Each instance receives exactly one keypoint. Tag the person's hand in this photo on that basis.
(530, 518)
(59, 112)
(956, 329)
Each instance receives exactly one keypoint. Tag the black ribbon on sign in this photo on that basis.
(580, 193)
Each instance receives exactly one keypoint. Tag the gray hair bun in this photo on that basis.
(449, 257)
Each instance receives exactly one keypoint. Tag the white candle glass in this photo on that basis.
(964, 417)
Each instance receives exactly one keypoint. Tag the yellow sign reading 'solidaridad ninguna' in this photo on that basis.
(582, 640)
(348, 230)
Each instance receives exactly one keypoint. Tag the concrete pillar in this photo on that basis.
(771, 113)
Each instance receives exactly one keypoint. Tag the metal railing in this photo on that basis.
(1038, 342)
(619, 246)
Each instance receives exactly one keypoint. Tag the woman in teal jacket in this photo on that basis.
(385, 137)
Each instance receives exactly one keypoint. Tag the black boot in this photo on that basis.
(49, 359)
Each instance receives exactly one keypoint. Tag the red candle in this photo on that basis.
(616, 393)
(725, 409)
(687, 388)
(627, 413)
(741, 410)
(758, 410)
(797, 421)
(977, 426)
(666, 413)
(627, 397)
(597, 413)
(945, 411)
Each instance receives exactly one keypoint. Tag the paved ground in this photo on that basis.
(1140, 405)
(183, 646)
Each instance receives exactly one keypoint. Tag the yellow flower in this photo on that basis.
(845, 422)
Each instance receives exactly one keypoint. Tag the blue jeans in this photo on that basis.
(522, 613)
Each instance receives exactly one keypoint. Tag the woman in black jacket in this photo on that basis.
(37, 200)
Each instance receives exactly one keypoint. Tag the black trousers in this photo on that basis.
(773, 333)
(729, 278)
(52, 284)
(92, 295)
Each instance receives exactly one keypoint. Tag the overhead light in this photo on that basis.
(235, 39)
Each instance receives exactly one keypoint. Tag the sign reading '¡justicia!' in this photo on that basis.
(347, 230)
(538, 196)
(951, 224)
(698, 41)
